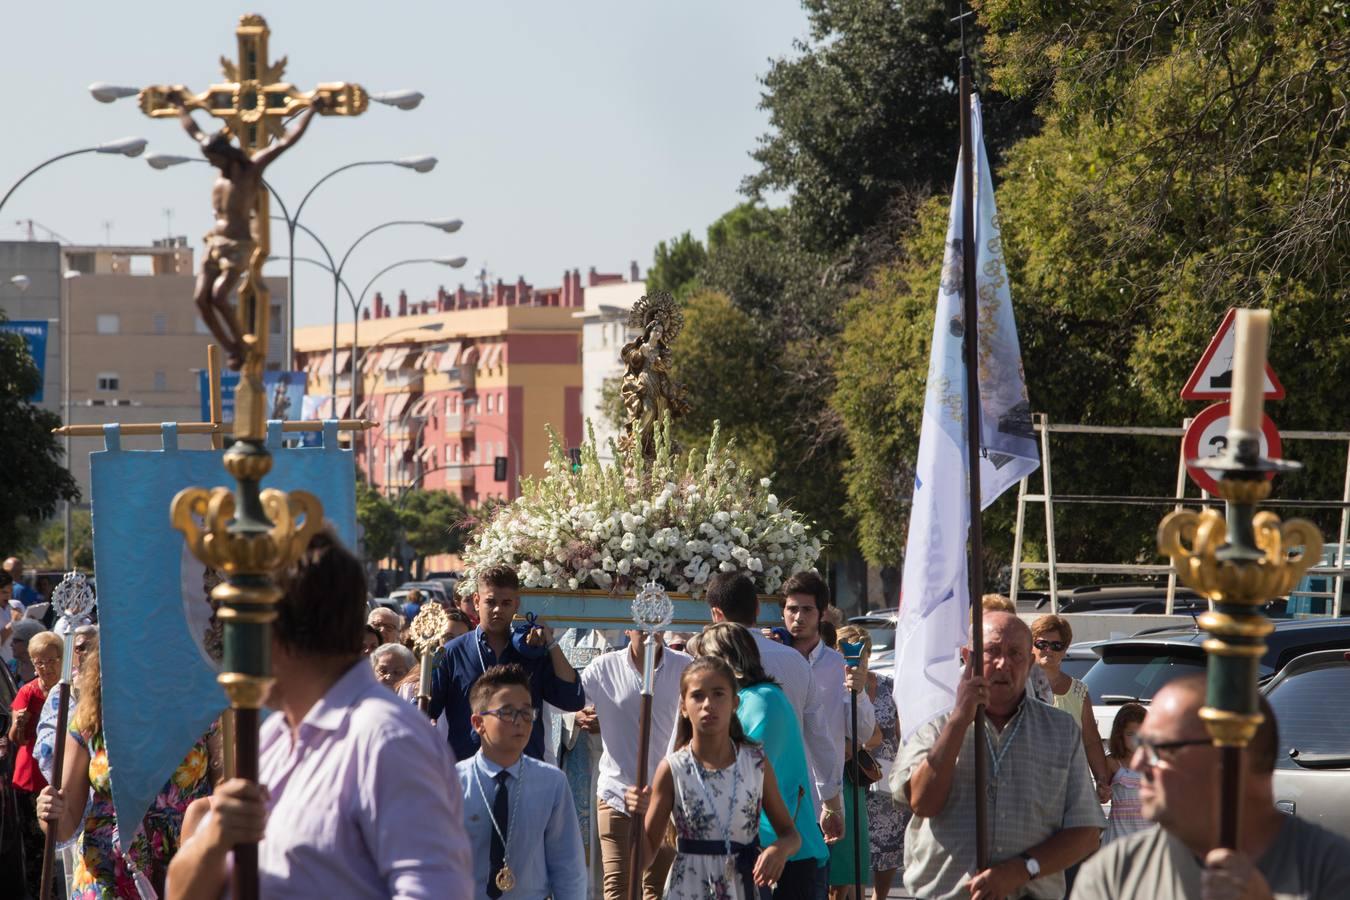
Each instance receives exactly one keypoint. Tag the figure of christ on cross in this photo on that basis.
(230, 242)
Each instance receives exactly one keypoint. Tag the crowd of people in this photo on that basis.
(484, 788)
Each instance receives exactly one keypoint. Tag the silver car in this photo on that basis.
(1311, 699)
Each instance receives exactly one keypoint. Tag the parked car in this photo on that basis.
(1138, 599)
(434, 588)
(1134, 668)
(1311, 699)
(1079, 658)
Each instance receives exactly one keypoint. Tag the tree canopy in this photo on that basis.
(35, 475)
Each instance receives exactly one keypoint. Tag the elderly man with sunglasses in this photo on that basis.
(1043, 813)
(1278, 856)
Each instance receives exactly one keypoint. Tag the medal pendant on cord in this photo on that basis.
(505, 881)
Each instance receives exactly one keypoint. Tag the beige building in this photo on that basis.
(136, 342)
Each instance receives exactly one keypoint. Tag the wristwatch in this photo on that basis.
(1033, 867)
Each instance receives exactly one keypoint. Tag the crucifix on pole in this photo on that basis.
(247, 533)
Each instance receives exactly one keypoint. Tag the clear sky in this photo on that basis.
(569, 134)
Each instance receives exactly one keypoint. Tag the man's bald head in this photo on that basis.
(1181, 700)
(14, 566)
(1007, 624)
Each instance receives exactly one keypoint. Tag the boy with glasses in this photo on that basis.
(518, 811)
(1278, 856)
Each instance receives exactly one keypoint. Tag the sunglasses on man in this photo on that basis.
(1153, 752)
(1055, 646)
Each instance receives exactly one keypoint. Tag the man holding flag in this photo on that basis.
(979, 826)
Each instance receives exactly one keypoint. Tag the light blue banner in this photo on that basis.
(159, 683)
(34, 331)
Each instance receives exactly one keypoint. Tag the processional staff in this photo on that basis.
(1239, 560)
(75, 600)
(652, 611)
(427, 629)
(248, 533)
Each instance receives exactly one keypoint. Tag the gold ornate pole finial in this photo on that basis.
(1238, 560)
(249, 534)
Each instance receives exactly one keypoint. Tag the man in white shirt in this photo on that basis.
(613, 685)
(731, 598)
(806, 597)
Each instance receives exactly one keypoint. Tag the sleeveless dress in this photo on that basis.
(702, 811)
(1071, 701)
(1126, 815)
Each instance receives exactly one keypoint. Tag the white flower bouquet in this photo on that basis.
(675, 520)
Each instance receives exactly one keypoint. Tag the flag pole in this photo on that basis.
(975, 562)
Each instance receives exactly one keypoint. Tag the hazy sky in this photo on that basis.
(569, 134)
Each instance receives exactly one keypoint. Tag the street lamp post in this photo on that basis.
(132, 146)
(66, 278)
(449, 226)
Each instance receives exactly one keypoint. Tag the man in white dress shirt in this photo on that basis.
(613, 685)
(731, 598)
(806, 597)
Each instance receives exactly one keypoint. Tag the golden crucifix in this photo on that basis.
(248, 533)
(254, 104)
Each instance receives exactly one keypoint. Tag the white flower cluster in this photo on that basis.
(676, 520)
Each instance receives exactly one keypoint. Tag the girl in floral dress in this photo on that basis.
(102, 871)
(714, 783)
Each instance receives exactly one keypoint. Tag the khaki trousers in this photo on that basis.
(615, 851)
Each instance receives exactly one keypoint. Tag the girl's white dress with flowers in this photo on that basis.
(703, 807)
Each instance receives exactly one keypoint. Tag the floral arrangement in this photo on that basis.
(676, 519)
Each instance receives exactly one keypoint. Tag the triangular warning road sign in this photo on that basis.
(1213, 376)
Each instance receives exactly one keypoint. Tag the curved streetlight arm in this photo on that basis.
(331, 266)
(40, 166)
(388, 268)
(342, 265)
(371, 162)
(322, 265)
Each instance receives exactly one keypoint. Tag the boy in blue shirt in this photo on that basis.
(518, 811)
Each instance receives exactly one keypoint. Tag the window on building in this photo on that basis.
(491, 403)
(108, 381)
(274, 325)
(431, 460)
(159, 323)
(455, 449)
(161, 381)
(109, 323)
(501, 402)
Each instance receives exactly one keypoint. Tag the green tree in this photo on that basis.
(1167, 185)
(676, 265)
(52, 541)
(35, 476)
(378, 520)
(433, 522)
(864, 111)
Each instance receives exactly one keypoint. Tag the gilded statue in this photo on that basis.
(649, 393)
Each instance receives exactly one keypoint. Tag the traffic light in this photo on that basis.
(499, 468)
(574, 454)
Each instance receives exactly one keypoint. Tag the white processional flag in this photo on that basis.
(934, 619)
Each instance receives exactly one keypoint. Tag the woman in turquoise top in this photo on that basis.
(768, 717)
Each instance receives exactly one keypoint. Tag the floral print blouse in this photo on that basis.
(102, 870)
